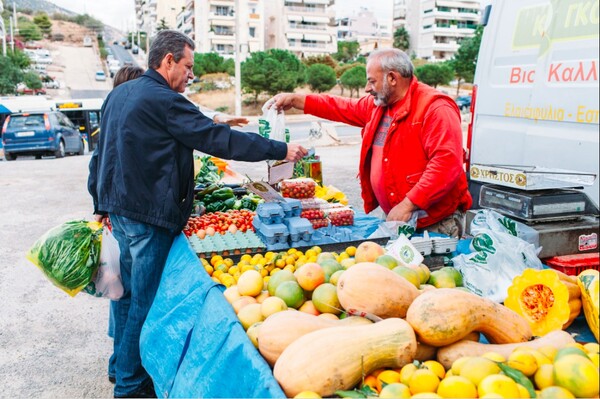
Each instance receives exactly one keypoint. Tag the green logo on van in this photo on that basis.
(540, 26)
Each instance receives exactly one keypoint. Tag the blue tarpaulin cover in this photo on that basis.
(192, 343)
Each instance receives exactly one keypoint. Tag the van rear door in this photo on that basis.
(537, 87)
(27, 129)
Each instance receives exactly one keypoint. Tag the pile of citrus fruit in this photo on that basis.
(571, 372)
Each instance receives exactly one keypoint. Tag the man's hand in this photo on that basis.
(285, 101)
(100, 218)
(295, 152)
(402, 212)
(230, 120)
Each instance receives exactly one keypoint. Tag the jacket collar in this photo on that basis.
(404, 108)
(151, 73)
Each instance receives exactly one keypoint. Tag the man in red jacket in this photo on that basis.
(412, 153)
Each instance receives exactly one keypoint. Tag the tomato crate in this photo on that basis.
(572, 265)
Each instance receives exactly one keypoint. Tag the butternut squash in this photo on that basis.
(444, 316)
(428, 352)
(547, 299)
(375, 289)
(448, 354)
(282, 328)
(326, 360)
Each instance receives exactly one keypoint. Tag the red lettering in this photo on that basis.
(530, 76)
(518, 75)
(579, 75)
(593, 75)
(553, 73)
(567, 74)
(515, 75)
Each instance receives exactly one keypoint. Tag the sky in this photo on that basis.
(120, 13)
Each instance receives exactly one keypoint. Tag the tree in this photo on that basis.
(320, 59)
(347, 51)
(19, 59)
(162, 25)
(211, 63)
(29, 31)
(354, 78)
(321, 78)
(272, 72)
(32, 80)
(10, 76)
(43, 22)
(435, 74)
(401, 39)
(465, 59)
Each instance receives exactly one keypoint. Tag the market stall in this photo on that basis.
(359, 308)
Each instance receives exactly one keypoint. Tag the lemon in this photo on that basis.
(496, 357)
(351, 250)
(591, 348)
(436, 367)
(555, 393)
(250, 314)
(423, 380)
(523, 361)
(458, 363)
(250, 283)
(253, 331)
(406, 372)
(478, 368)
(272, 305)
(523, 392)
(498, 384)
(307, 395)
(548, 351)
(395, 390)
(457, 387)
(426, 395)
(543, 376)
(595, 358)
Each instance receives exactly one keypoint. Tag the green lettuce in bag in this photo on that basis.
(69, 254)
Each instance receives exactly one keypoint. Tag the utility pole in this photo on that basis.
(2, 31)
(12, 36)
(15, 17)
(238, 67)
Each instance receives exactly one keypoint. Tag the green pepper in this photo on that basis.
(229, 203)
(223, 193)
(209, 190)
(213, 207)
(207, 199)
(237, 205)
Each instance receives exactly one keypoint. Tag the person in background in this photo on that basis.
(144, 181)
(411, 161)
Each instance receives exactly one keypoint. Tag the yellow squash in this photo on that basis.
(588, 281)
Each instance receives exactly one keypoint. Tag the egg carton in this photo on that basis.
(444, 245)
(423, 245)
(227, 244)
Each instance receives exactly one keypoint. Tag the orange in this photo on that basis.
(406, 372)
(555, 393)
(436, 367)
(543, 377)
(307, 395)
(578, 375)
(253, 331)
(291, 293)
(523, 361)
(371, 382)
(250, 283)
(498, 384)
(309, 307)
(310, 276)
(326, 300)
(250, 314)
(279, 277)
(478, 368)
(387, 377)
(272, 305)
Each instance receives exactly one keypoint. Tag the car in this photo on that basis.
(135, 49)
(40, 133)
(463, 102)
(87, 41)
(100, 76)
(22, 89)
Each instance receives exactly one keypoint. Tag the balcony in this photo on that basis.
(320, 10)
(451, 46)
(297, 26)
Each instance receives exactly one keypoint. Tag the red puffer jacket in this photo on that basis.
(421, 161)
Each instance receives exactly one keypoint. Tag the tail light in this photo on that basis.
(470, 130)
(46, 122)
(5, 124)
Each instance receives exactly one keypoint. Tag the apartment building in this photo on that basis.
(150, 14)
(304, 27)
(437, 27)
(212, 25)
(366, 29)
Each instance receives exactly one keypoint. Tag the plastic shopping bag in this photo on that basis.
(487, 219)
(498, 258)
(107, 282)
(272, 123)
(69, 254)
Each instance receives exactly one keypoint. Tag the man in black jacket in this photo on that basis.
(144, 180)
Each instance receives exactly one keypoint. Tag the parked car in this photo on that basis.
(135, 49)
(100, 76)
(22, 89)
(40, 133)
(463, 102)
(87, 41)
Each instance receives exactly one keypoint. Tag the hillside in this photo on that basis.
(37, 5)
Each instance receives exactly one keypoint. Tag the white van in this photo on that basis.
(535, 101)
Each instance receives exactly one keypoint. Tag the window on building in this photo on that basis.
(252, 32)
(222, 10)
(428, 11)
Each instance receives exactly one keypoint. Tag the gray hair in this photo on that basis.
(395, 60)
(165, 42)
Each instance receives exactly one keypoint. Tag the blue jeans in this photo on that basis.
(144, 250)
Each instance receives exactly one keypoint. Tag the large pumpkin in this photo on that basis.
(548, 300)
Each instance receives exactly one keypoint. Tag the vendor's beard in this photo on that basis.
(381, 99)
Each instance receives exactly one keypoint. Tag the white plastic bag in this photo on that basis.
(272, 122)
(108, 279)
(487, 219)
(498, 258)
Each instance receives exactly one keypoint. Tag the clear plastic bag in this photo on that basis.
(107, 282)
(272, 123)
(498, 258)
(69, 254)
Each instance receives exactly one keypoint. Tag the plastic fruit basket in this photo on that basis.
(572, 265)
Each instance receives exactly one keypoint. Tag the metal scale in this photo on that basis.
(549, 200)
